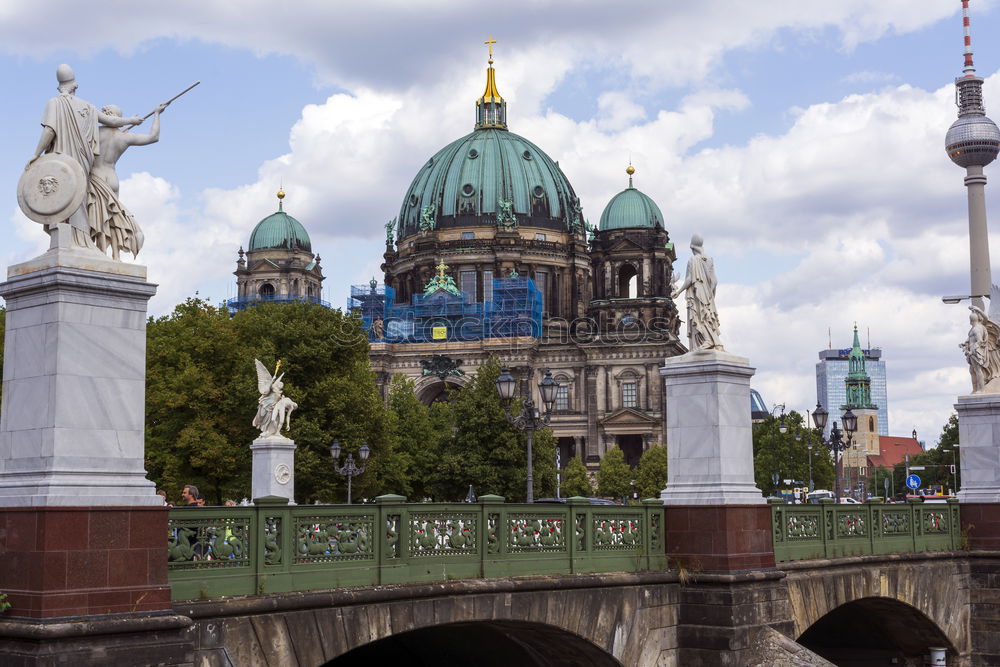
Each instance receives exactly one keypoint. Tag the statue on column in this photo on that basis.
(53, 188)
(274, 409)
(700, 283)
(982, 346)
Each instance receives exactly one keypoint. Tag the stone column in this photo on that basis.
(273, 467)
(82, 531)
(979, 433)
(716, 518)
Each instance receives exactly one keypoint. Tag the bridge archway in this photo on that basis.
(875, 630)
(481, 643)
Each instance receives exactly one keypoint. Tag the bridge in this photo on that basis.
(493, 583)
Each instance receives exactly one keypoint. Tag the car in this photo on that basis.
(849, 501)
(593, 501)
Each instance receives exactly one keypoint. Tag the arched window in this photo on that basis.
(871, 424)
(628, 282)
(266, 291)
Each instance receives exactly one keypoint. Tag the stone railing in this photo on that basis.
(274, 547)
(828, 530)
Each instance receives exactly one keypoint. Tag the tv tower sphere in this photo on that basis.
(972, 141)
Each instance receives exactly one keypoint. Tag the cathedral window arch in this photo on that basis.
(871, 424)
(629, 387)
(564, 396)
(266, 291)
(628, 281)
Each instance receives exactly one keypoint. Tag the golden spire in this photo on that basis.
(491, 109)
(281, 195)
(630, 170)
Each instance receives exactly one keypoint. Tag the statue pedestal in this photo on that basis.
(715, 519)
(709, 437)
(979, 433)
(71, 422)
(274, 467)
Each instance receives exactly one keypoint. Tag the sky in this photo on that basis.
(803, 139)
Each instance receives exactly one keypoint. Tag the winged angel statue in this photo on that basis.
(274, 409)
(982, 349)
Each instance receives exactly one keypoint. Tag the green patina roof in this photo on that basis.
(280, 230)
(466, 179)
(629, 209)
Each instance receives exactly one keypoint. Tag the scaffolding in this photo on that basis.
(516, 310)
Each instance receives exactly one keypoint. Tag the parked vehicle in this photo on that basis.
(849, 501)
(593, 501)
(814, 497)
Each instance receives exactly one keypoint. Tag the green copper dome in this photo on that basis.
(280, 230)
(630, 209)
(464, 183)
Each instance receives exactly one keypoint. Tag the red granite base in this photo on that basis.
(720, 538)
(77, 561)
(981, 523)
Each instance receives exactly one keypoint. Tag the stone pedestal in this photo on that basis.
(71, 422)
(979, 433)
(709, 437)
(274, 467)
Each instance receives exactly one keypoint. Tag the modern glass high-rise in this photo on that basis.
(831, 393)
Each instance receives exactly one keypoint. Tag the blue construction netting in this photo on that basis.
(243, 303)
(516, 310)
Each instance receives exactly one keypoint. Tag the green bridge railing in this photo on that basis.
(274, 547)
(828, 530)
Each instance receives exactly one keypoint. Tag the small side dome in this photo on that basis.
(279, 230)
(631, 209)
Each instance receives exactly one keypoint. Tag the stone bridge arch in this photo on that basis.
(481, 643)
(925, 592)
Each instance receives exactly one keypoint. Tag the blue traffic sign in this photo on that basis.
(913, 481)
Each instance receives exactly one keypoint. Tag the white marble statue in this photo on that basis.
(111, 226)
(274, 409)
(982, 347)
(69, 128)
(700, 283)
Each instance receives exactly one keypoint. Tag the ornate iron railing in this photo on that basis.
(274, 547)
(828, 530)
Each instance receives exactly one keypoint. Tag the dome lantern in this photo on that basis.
(491, 108)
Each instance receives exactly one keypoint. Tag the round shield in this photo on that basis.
(52, 188)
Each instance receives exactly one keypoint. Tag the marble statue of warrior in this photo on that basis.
(700, 283)
(982, 347)
(111, 225)
(69, 127)
(274, 409)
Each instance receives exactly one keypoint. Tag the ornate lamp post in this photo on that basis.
(836, 444)
(783, 429)
(529, 420)
(349, 469)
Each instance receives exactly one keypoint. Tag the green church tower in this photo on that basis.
(859, 392)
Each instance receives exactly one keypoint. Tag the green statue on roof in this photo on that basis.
(442, 282)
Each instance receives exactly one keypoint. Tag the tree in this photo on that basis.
(418, 434)
(651, 474)
(485, 450)
(201, 392)
(614, 476)
(788, 454)
(576, 481)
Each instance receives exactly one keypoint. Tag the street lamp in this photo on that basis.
(809, 447)
(836, 444)
(782, 429)
(349, 469)
(529, 420)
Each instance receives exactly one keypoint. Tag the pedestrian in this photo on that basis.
(190, 496)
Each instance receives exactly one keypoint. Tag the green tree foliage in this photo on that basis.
(614, 475)
(201, 392)
(575, 480)
(788, 454)
(485, 450)
(418, 435)
(651, 473)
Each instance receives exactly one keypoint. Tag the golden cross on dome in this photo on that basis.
(490, 42)
(441, 268)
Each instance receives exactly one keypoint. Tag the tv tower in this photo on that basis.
(973, 141)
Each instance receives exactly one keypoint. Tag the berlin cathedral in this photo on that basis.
(491, 255)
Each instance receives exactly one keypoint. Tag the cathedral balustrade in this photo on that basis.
(241, 303)
(275, 547)
(828, 530)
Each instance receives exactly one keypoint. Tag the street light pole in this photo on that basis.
(836, 444)
(783, 429)
(349, 469)
(529, 419)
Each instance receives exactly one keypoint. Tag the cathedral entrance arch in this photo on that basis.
(431, 389)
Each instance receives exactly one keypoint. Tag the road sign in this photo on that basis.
(913, 482)
(918, 468)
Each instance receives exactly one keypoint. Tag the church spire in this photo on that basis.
(491, 108)
(858, 384)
